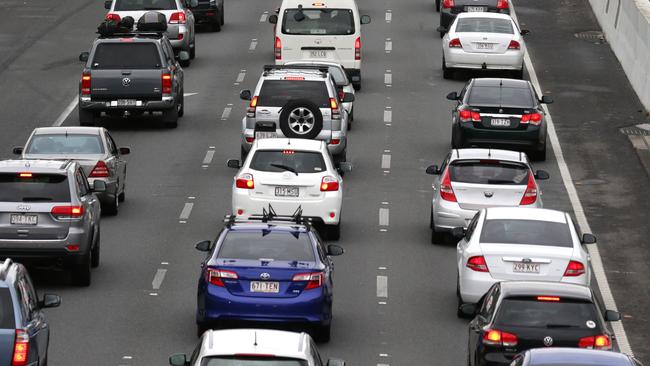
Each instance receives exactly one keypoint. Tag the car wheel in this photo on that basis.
(437, 5)
(518, 74)
(447, 73)
(216, 26)
(81, 272)
(170, 117)
(122, 196)
(112, 207)
(181, 110)
(350, 119)
(201, 328)
(459, 301)
(242, 154)
(323, 333)
(456, 139)
(185, 63)
(356, 85)
(222, 17)
(539, 155)
(193, 51)
(301, 119)
(332, 232)
(438, 237)
(96, 249)
(87, 118)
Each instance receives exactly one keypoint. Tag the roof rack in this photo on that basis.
(270, 216)
(151, 34)
(4, 268)
(322, 69)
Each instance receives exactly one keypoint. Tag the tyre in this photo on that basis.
(243, 154)
(539, 155)
(456, 139)
(323, 333)
(170, 117)
(459, 301)
(333, 232)
(81, 271)
(222, 17)
(356, 85)
(112, 207)
(87, 118)
(201, 328)
(518, 74)
(442, 34)
(185, 63)
(447, 73)
(437, 5)
(301, 119)
(215, 26)
(94, 256)
(350, 119)
(181, 110)
(193, 51)
(122, 196)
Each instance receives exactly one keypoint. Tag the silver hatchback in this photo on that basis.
(471, 179)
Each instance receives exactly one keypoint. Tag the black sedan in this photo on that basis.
(450, 8)
(577, 357)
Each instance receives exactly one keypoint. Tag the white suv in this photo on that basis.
(290, 175)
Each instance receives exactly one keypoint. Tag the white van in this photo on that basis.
(327, 30)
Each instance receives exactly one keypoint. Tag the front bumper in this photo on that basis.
(459, 58)
(108, 106)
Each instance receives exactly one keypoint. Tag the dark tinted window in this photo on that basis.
(530, 312)
(276, 245)
(495, 96)
(318, 21)
(532, 232)
(484, 25)
(65, 144)
(145, 5)
(251, 361)
(7, 320)
(488, 172)
(126, 56)
(276, 93)
(37, 188)
(300, 161)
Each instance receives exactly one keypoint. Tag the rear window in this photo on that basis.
(530, 312)
(484, 25)
(318, 22)
(267, 244)
(488, 172)
(126, 56)
(495, 96)
(7, 320)
(65, 144)
(277, 160)
(251, 361)
(531, 232)
(277, 93)
(126, 5)
(37, 188)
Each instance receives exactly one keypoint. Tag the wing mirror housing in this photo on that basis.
(99, 186)
(542, 175)
(50, 301)
(83, 57)
(125, 150)
(348, 98)
(203, 246)
(442, 29)
(458, 232)
(183, 56)
(18, 150)
(273, 19)
(335, 362)
(365, 19)
(233, 163)
(433, 170)
(245, 95)
(546, 99)
(524, 32)
(194, 3)
(107, 4)
(335, 250)
(612, 316)
(588, 239)
(452, 96)
(178, 359)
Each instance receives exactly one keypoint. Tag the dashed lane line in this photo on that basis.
(388, 78)
(240, 77)
(186, 212)
(388, 45)
(209, 155)
(388, 115)
(389, 16)
(158, 278)
(382, 286)
(264, 16)
(384, 215)
(226, 112)
(253, 44)
(385, 161)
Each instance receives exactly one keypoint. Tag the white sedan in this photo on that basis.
(290, 175)
(521, 244)
(487, 41)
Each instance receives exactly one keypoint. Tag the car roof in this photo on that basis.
(289, 144)
(525, 213)
(34, 166)
(255, 341)
(537, 288)
(484, 15)
(507, 83)
(578, 356)
(72, 130)
(493, 154)
(327, 3)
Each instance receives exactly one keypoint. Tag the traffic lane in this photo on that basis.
(594, 99)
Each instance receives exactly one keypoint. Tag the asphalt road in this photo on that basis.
(121, 319)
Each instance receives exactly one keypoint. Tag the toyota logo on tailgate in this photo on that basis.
(548, 341)
(265, 276)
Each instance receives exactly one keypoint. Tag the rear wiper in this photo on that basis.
(287, 168)
(34, 199)
(499, 181)
(561, 326)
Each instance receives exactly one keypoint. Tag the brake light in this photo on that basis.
(85, 83)
(534, 119)
(245, 181)
(100, 170)
(177, 18)
(448, 4)
(446, 191)
(514, 45)
(467, 115)
(477, 263)
(341, 95)
(530, 196)
(314, 279)
(215, 276)
(250, 112)
(357, 49)
(548, 298)
(21, 348)
(455, 43)
(600, 341)
(574, 268)
(278, 48)
(114, 17)
(67, 212)
(293, 78)
(334, 105)
(288, 152)
(335, 141)
(495, 337)
(166, 83)
(25, 175)
(502, 4)
(250, 139)
(329, 184)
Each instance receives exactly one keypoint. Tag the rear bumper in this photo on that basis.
(107, 105)
(334, 149)
(458, 58)
(207, 15)
(533, 138)
(354, 74)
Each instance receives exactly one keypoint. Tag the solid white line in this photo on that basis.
(253, 45)
(596, 260)
(66, 112)
(384, 214)
(187, 210)
(385, 161)
(264, 16)
(226, 113)
(382, 286)
(158, 278)
(388, 116)
(208, 157)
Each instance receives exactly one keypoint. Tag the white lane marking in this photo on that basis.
(385, 203)
(389, 45)
(383, 230)
(209, 155)
(191, 197)
(384, 214)
(226, 113)
(383, 355)
(596, 260)
(241, 76)
(153, 294)
(66, 112)
(389, 16)
(382, 268)
(382, 286)
(253, 44)
(127, 357)
(388, 116)
(388, 78)
(164, 263)
(385, 161)
(264, 16)
(189, 94)
(187, 210)
(158, 278)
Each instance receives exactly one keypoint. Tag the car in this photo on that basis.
(516, 316)
(180, 19)
(128, 74)
(328, 30)
(450, 9)
(50, 215)
(24, 329)
(297, 102)
(484, 41)
(210, 12)
(577, 357)
(253, 347)
(91, 147)
(516, 243)
(270, 269)
(470, 179)
(341, 80)
(492, 112)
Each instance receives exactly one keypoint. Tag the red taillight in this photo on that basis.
(495, 337)
(166, 83)
(250, 112)
(250, 139)
(514, 45)
(502, 4)
(574, 268)
(530, 196)
(177, 18)
(335, 141)
(341, 95)
(215, 276)
(334, 105)
(446, 191)
(66, 212)
(448, 4)
(477, 263)
(278, 48)
(21, 348)
(100, 170)
(329, 184)
(548, 298)
(357, 49)
(534, 119)
(455, 43)
(114, 17)
(314, 280)
(245, 181)
(600, 341)
(467, 115)
(85, 83)
(25, 175)
(180, 36)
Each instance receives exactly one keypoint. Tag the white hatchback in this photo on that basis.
(290, 175)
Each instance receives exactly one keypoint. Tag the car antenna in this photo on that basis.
(457, 154)
(520, 156)
(489, 151)
(255, 340)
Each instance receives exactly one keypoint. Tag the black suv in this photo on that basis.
(24, 331)
(209, 12)
(128, 74)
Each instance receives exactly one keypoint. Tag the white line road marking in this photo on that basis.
(264, 16)
(153, 294)
(226, 113)
(209, 155)
(189, 94)
(388, 78)
(66, 112)
(253, 44)
(384, 214)
(241, 76)
(383, 230)
(187, 210)
(382, 268)
(158, 278)
(385, 161)
(596, 260)
(127, 357)
(388, 116)
(389, 45)
(389, 16)
(382, 286)
(384, 203)
(383, 355)
(191, 197)
(164, 263)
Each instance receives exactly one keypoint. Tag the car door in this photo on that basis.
(482, 318)
(87, 199)
(119, 162)
(41, 335)
(459, 103)
(189, 16)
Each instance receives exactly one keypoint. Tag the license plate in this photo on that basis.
(126, 102)
(286, 191)
(20, 219)
(265, 287)
(318, 54)
(500, 122)
(472, 9)
(525, 267)
(265, 135)
(484, 46)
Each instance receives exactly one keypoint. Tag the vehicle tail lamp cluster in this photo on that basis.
(455, 43)
(514, 45)
(100, 170)
(166, 79)
(21, 348)
(314, 279)
(334, 106)
(494, 337)
(446, 191)
(67, 212)
(85, 83)
(329, 184)
(245, 181)
(477, 264)
(502, 4)
(600, 341)
(530, 195)
(25, 175)
(534, 119)
(574, 268)
(114, 17)
(215, 276)
(467, 115)
(252, 106)
(448, 4)
(357, 49)
(177, 18)
(278, 48)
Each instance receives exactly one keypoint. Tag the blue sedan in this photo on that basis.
(572, 357)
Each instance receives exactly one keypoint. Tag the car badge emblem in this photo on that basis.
(548, 341)
(317, 41)
(23, 207)
(126, 81)
(528, 260)
(488, 194)
(265, 276)
(500, 110)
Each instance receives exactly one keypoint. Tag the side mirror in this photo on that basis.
(83, 57)
(107, 4)
(99, 186)
(245, 95)
(18, 150)
(334, 250)
(178, 360)
(233, 163)
(458, 232)
(524, 32)
(612, 316)
(588, 239)
(452, 96)
(124, 150)
(273, 19)
(49, 301)
(468, 310)
(542, 175)
(365, 19)
(203, 246)
(546, 99)
(335, 362)
(194, 3)
(442, 29)
(344, 167)
(183, 56)
(433, 170)
(348, 98)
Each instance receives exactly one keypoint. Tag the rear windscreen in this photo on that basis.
(7, 320)
(496, 96)
(533, 232)
(251, 361)
(287, 160)
(554, 314)
(318, 22)
(126, 5)
(126, 56)
(37, 188)
(277, 93)
(488, 172)
(267, 244)
(65, 144)
(484, 25)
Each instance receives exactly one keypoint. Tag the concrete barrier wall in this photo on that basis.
(626, 24)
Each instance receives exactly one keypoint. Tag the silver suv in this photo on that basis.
(296, 102)
(49, 214)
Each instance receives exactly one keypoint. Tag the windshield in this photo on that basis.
(318, 21)
(277, 93)
(126, 56)
(488, 172)
(299, 161)
(7, 320)
(484, 25)
(251, 361)
(65, 144)
(530, 312)
(533, 232)
(35, 188)
(495, 96)
(267, 244)
(126, 5)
